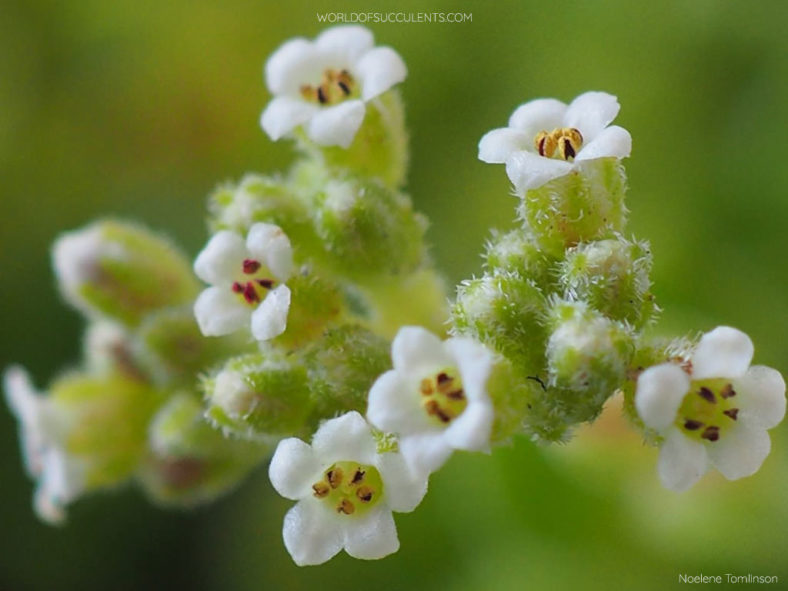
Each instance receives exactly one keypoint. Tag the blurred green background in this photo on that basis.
(138, 108)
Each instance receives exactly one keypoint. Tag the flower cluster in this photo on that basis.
(323, 320)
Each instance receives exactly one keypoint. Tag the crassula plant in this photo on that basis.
(313, 333)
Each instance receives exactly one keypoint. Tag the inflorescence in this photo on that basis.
(324, 320)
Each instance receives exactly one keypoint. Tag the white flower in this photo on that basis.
(435, 398)
(60, 476)
(547, 139)
(324, 84)
(345, 490)
(244, 278)
(715, 410)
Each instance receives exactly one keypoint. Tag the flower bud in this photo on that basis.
(613, 277)
(261, 397)
(108, 349)
(586, 204)
(315, 303)
(121, 271)
(369, 230)
(518, 251)
(587, 353)
(503, 311)
(343, 364)
(190, 462)
(88, 433)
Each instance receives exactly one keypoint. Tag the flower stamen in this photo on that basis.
(444, 397)
(346, 484)
(563, 143)
(334, 87)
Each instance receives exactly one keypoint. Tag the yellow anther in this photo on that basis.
(334, 87)
(426, 387)
(563, 143)
(334, 476)
(365, 493)
(321, 489)
(346, 507)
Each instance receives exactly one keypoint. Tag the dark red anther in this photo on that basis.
(250, 266)
(237, 287)
(250, 294)
(265, 283)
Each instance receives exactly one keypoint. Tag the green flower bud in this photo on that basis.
(342, 366)
(189, 462)
(262, 397)
(511, 396)
(368, 230)
(380, 147)
(613, 277)
(503, 311)
(121, 271)
(103, 422)
(518, 251)
(586, 204)
(171, 349)
(587, 353)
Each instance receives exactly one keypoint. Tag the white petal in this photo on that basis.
(474, 362)
(614, 141)
(219, 312)
(346, 438)
(294, 469)
(222, 258)
(404, 490)
(497, 145)
(761, 399)
(380, 69)
(61, 482)
(285, 113)
(591, 112)
(471, 430)
(415, 348)
(337, 125)
(270, 318)
(348, 43)
(682, 461)
(372, 536)
(269, 243)
(311, 533)
(740, 452)
(425, 452)
(538, 115)
(724, 352)
(27, 405)
(660, 390)
(293, 64)
(394, 404)
(530, 171)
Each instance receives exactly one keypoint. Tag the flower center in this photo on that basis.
(708, 410)
(349, 488)
(562, 143)
(253, 287)
(442, 395)
(335, 86)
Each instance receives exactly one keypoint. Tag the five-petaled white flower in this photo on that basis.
(60, 476)
(547, 139)
(246, 282)
(323, 85)
(345, 490)
(714, 409)
(435, 398)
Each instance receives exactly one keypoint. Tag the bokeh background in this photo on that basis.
(139, 108)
